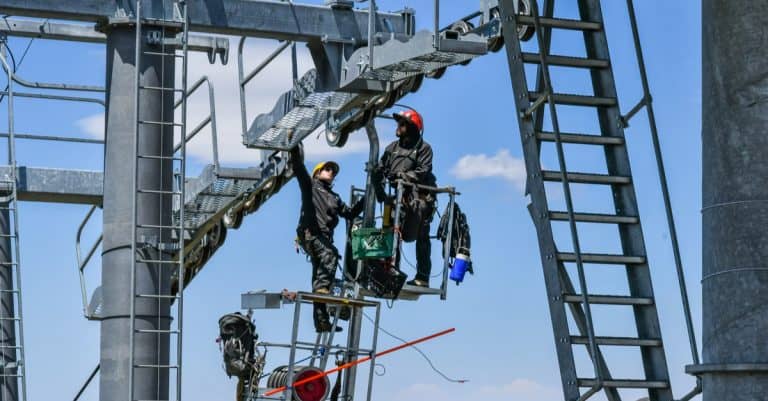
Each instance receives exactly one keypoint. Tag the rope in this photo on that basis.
(422, 353)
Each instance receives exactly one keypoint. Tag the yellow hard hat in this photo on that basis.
(321, 165)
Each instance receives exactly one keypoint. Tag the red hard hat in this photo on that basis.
(412, 117)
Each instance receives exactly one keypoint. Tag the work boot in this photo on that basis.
(322, 322)
(418, 283)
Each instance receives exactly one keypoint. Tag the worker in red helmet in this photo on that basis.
(321, 208)
(410, 158)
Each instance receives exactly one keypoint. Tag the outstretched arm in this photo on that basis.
(302, 175)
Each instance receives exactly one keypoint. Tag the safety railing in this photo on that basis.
(647, 103)
(89, 309)
(209, 120)
(452, 193)
(243, 79)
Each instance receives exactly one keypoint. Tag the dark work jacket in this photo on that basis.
(320, 206)
(409, 155)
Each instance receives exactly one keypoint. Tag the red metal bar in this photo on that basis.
(359, 361)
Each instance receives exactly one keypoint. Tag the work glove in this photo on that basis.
(377, 174)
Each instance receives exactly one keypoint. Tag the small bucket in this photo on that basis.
(460, 266)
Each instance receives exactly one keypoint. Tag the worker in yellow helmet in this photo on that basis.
(321, 208)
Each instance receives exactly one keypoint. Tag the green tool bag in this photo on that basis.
(372, 243)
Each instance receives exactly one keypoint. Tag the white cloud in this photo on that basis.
(93, 125)
(502, 165)
(261, 94)
(519, 389)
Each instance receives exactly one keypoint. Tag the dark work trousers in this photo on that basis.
(417, 218)
(324, 257)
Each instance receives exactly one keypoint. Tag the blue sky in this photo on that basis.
(503, 341)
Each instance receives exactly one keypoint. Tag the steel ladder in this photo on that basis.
(158, 245)
(531, 106)
(12, 357)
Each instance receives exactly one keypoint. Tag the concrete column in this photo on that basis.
(9, 390)
(117, 259)
(735, 200)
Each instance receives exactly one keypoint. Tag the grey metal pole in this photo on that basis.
(734, 201)
(369, 219)
(119, 195)
(9, 390)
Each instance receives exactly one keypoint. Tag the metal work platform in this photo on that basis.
(318, 353)
(365, 88)
(408, 292)
(219, 199)
(396, 60)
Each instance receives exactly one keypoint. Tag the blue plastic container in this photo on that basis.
(460, 266)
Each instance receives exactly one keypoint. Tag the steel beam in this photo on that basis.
(88, 33)
(57, 185)
(734, 201)
(258, 18)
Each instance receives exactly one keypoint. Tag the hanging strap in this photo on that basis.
(337, 386)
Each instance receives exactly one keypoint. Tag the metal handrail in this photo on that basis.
(452, 193)
(45, 85)
(437, 24)
(56, 97)
(87, 382)
(83, 262)
(211, 119)
(647, 102)
(243, 79)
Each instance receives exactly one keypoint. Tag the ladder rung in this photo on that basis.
(4, 375)
(7, 235)
(159, 157)
(625, 383)
(594, 218)
(576, 100)
(11, 318)
(152, 331)
(567, 61)
(561, 23)
(174, 262)
(10, 347)
(609, 299)
(157, 296)
(583, 139)
(149, 122)
(9, 291)
(8, 264)
(618, 341)
(160, 88)
(158, 191)
(164, 54)
(147, 366)
(586, 178)
(601, 258)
